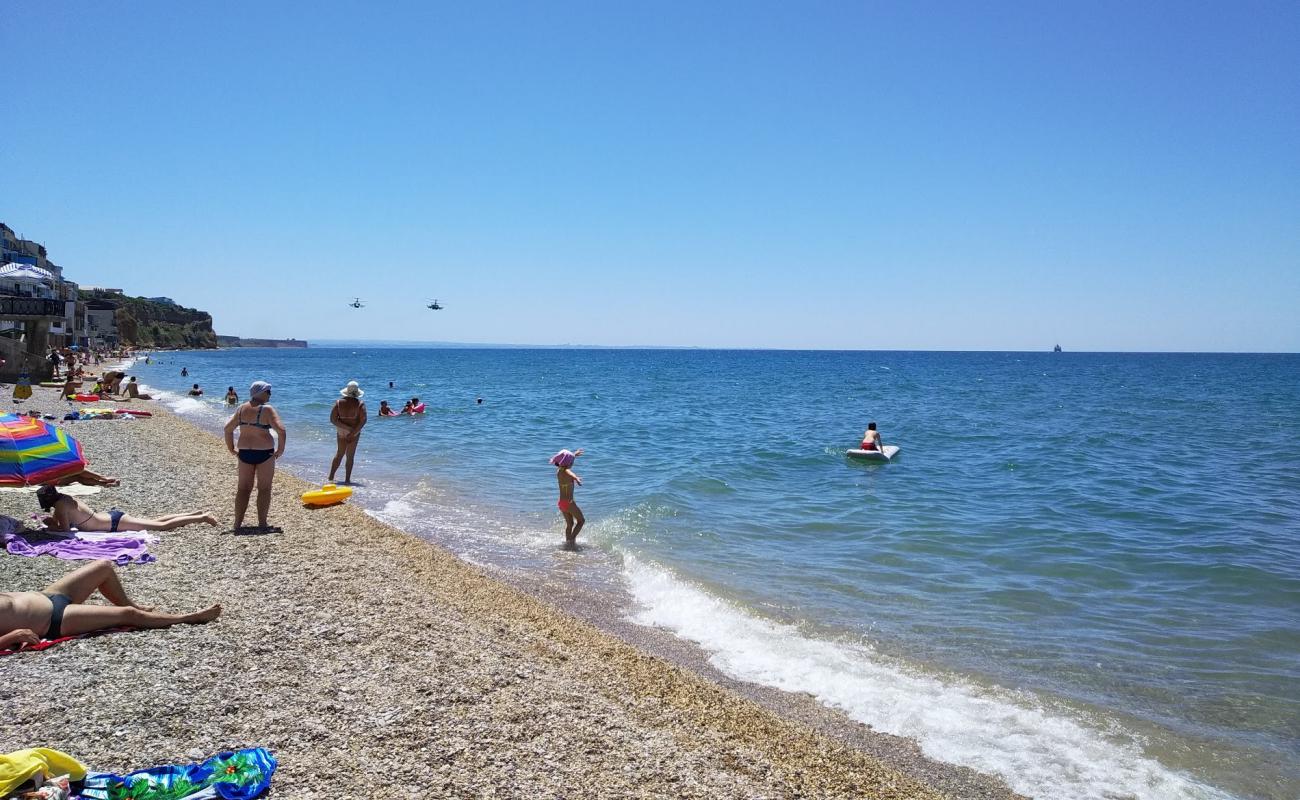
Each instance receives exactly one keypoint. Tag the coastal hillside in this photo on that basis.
(142, 322)
(236, 341)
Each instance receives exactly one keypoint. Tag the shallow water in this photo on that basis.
(1081, 573)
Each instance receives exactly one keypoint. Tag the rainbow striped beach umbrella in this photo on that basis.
(33, 451)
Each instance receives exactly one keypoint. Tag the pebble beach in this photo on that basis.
(375, 664)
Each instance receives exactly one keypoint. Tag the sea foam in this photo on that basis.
(1043, 753)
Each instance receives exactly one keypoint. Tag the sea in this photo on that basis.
(1081, 573)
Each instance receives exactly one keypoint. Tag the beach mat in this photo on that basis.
(71, 490)
(120, 547)
(46, 644)
(229, 775)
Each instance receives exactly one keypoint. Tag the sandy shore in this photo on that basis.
(374, 664)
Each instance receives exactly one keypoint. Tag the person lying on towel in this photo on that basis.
(60, 609)
(68, 512)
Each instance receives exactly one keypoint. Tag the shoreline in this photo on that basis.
(470, 659)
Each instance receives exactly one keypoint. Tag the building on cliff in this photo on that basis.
(38, 308)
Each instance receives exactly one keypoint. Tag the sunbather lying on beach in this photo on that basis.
(69, 513)
(60, 609)
(88, 478)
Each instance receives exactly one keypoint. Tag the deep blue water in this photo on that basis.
(1082, 572)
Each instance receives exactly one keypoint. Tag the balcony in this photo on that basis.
(24, 308)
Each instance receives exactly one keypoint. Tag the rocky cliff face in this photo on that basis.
(144, 323)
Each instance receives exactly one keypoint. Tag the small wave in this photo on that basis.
(187, 405)
(1040, 752)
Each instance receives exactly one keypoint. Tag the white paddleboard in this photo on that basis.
(890, 450)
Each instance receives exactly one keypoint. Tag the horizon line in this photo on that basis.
(337, 343)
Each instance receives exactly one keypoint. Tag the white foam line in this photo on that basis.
(1042, 753)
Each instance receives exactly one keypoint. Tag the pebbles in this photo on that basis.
(374, 665)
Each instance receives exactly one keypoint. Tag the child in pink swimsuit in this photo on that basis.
(573, 519)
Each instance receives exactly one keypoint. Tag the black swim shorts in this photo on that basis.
(60, 602)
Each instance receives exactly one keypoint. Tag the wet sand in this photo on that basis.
(375, 664)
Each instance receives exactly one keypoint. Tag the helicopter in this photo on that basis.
(356, 303)
(434, 306)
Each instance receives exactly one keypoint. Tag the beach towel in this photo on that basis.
(71, 490)
(237, 775)
(120, 547)
(46, 644)
(19, 767)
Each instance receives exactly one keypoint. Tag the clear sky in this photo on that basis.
(1107, 175)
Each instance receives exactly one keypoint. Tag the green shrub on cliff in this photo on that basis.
(145, 323)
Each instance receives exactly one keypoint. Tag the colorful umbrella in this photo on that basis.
(33, 451)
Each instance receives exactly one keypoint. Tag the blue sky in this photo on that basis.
(1112, 176)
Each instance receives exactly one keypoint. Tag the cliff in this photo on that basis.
(147, 323)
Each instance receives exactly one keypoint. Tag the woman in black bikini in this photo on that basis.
(257, 450)
(60, 609)
(69, 512)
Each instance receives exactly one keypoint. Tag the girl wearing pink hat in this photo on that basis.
(573, 519)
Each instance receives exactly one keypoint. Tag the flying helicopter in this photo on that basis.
(356, 303)
(434, 306)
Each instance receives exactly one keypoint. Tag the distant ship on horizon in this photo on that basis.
(1056, 349)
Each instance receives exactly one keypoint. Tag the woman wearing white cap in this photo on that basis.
(257, 450)
(348, 418)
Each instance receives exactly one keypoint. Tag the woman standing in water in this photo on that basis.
(257, 450)
(348, 418)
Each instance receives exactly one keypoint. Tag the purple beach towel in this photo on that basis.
(121, 547)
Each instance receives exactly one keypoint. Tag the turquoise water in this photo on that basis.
(1082, 572)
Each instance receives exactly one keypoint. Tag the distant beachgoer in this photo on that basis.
(348, 418)
(133, 391)
(195, 391)
(386, 410)
(479, 401)
(573, 519)
(871, 439)
(232, 397)
(390, 384)
(70, 386)
(69, 512)
(60, 609)
(257, 450)
(112, 381)
(416, 406)
(406, 409)
(185, 372)
(55, 358)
